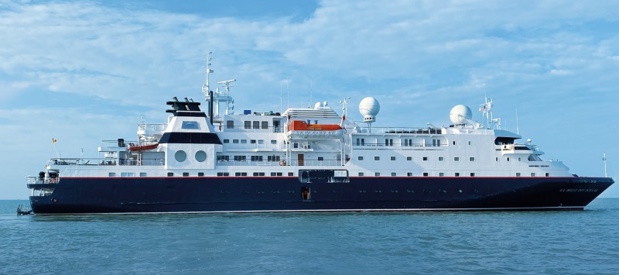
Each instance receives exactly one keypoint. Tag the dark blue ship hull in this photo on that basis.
(276, 194)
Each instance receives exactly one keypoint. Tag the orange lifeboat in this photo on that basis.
(298, 125)
(146, 147)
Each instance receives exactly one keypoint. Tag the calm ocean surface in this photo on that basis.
(582, 242)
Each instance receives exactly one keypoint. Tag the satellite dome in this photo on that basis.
(369, 108)
(460, 114)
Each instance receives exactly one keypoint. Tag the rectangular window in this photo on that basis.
(185, 174)
(360, 174)
(261, 141)
(456, 158)
(240, 174)
(376, 158)
(441, 174)
(258, 174)
(532, 174)
(243, 141)
(223, 174)
(170, 174)
(393, 174)
(425, 174)
(457, 174)
(291, 174)
(265, 125)
(273, 141)
(235, 141)
(240, 158)
(409, 158)
(111, 174)
(472, 174)
(126, 174)
(200, 174)
(409, 174)
(230, 124)
(226, 140)
(425, 158)
(392, 158)
(472, 158)
(320, 159)
(256, 158)
(143, 174)
(517, 174)
(377, 174)
(440, 158)
(547, 174)
(193, 125)
(223, 158)
(256, 124)
(247, 124)
(253, 141)
(360, 157)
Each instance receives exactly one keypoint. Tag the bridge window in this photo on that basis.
(247, 124)
(265, 125)
(190, 125)
(230, 124)
(256, 124)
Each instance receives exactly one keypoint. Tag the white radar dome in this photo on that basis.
(460, 114)
(369, 108)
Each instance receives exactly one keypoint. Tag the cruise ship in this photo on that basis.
(309, 160)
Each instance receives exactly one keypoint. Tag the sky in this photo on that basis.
(86, 71)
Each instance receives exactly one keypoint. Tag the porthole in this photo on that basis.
(180, 156)
(200, 156)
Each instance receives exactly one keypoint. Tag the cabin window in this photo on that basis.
(223, 158)
(321, 158)
(143, 174)
(472, 158)
(200, 156)
(497, 158)
(258, 174)
(425, 174)
(223, 174)
(469, 142)
(532, 174)
(261, 141)
(235, 141)
(200, 174)
(230, 124)
(256, 124)
(256, 158)
(409, 174)
(291, 174)
(409, 158)
(392, 158)
(425, 158)
(376, 158)
(393, 174)
(441, 174)
(265, 125)
(360, 174)
(253, 141)
(276, 174)
(456, 158)
(185, 174)
(240, 174)
(360, 157)
(440, 158)
(111, 174)
(517, 174)
(180, 156)
(170, 174)
(240, 158)
(454, 142)
(190, 125)
(472, 174)
(247, 124)
(547, 174)
(507, 158)
(226, 140)
(457, 174)
(377, 174)
(273, 141)
(243, 141)
(127, 174)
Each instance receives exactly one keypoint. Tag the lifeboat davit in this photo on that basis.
(146, 147)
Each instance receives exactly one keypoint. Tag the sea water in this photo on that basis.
(553, 242)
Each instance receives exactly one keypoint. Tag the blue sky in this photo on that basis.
(84, 71)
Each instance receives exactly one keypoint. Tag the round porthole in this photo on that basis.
(180, 156)
(200, 156)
